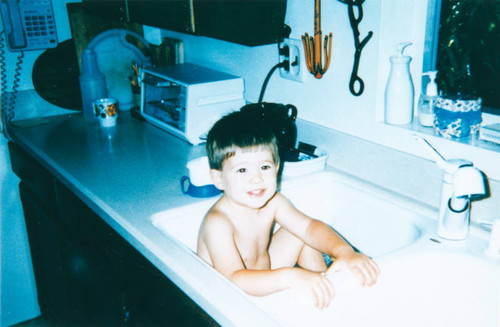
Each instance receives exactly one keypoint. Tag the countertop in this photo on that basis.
(125, 174)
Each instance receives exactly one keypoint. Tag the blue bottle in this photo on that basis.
(92, 84)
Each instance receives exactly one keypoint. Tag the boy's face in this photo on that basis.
(249, 178)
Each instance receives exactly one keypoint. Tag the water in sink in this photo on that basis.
(371, 224)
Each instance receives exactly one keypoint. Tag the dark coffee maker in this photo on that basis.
(281, 117)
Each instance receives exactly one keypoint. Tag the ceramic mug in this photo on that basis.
(204, 191)
(106, 111)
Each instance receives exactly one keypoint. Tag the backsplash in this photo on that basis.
(408, 175)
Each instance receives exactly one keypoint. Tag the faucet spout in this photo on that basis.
(454, 224)
(454, 214)
(461, 183)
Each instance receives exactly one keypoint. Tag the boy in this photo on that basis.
(236, 234)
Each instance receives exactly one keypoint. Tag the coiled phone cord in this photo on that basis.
(8, 101)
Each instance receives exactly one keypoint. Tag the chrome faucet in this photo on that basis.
(461, 183)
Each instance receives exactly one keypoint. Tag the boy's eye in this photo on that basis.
(265, 167)
(241, 170)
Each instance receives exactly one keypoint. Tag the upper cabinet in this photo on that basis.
(114, 9)
(247, 22)
(176, 15)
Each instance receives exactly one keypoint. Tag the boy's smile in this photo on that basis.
(248, 178)
(257, 193)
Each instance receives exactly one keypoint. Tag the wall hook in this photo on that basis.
(312, 46)
(356, 84)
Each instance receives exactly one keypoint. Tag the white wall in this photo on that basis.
(18, 297)
(327, 101)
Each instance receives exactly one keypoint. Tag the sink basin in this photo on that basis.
(424, 281)
(370, 223)
(425, 289)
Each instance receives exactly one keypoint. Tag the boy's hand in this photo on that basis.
(316, 284)
(365, 269)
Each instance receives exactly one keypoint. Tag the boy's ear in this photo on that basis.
(216, 176)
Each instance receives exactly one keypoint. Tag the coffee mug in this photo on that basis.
(106, 111)
(204, 191)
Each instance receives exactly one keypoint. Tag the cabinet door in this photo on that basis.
(114, 9)
(46, 255)
(153, 300)
(94, 270)
(247, 22)
(176, 15)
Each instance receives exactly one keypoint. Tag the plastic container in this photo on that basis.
(92, 84)
(457, 116)
(306, 164)
(427, 101)
(116, 50)
(399, 92)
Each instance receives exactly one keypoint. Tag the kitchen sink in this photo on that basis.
(424, 280)
(366, 220)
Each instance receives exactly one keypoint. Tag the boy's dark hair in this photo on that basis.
(239, 130)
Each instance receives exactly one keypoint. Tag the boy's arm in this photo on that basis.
(344, 256)
(323, 238)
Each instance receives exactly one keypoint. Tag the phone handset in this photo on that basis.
(13, 24)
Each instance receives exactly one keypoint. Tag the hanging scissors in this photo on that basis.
(356, 84)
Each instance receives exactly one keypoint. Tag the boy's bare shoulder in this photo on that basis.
(280, 200)
(216, 218)
(278, 197)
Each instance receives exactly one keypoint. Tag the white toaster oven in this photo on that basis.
(187, 99)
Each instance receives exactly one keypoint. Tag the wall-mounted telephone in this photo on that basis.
(28, 24)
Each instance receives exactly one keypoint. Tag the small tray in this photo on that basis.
(306, 164)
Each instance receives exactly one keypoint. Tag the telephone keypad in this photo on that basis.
(40, 24)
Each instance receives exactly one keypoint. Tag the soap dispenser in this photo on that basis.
(427, 100)
(92, 84)
(399, 93)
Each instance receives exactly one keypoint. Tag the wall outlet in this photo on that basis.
(295, 69)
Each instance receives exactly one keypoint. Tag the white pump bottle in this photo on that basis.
(427, 100)
(399, 92)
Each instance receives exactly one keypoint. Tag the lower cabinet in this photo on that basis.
(47, 257)
(87, 274)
